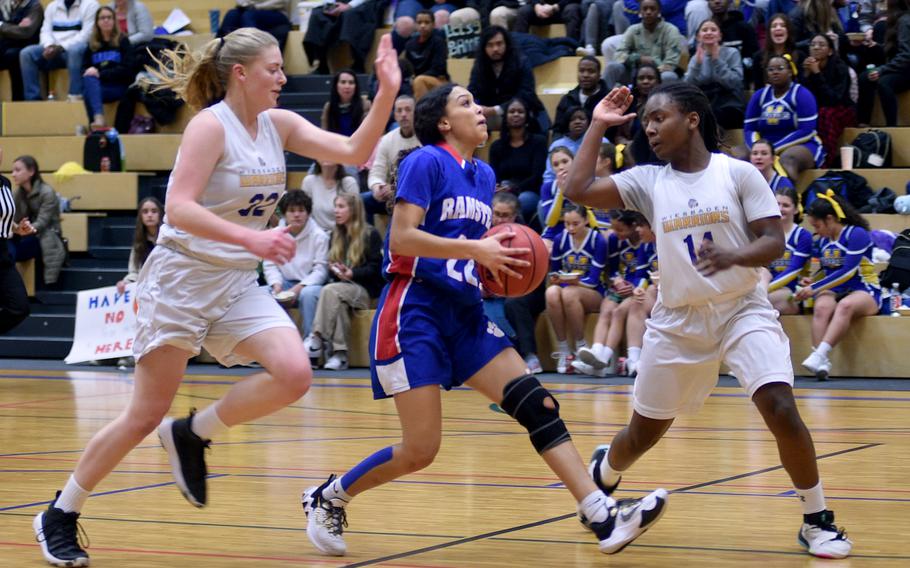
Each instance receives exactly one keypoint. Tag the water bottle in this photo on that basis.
(895, 299)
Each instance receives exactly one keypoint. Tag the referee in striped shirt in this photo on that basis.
(13, 297)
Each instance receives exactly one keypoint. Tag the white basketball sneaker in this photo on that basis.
(325, 521)
(819, 365)
(820, 537)
(628, 519)
(585, 369)
(587, 355)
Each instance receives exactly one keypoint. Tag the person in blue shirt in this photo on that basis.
(787, 270)
(762, 157)
(576, 262)
(785, 114)
(430, 331)
(576, 120)
(646, 280)
(849, 288)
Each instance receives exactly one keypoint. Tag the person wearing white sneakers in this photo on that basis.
(355, 277)
(716, 223)
(849, 288)
(646, 281)
(576, 262)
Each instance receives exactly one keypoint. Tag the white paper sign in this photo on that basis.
(105, 324)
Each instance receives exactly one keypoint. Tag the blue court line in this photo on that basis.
(103, 493)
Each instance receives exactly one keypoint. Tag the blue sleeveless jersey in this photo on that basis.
(456, 195)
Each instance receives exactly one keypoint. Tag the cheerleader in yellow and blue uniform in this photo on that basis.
(787, 270)
(849, 288)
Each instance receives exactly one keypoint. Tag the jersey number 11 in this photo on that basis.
(690, 244)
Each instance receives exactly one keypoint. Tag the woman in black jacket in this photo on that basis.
(355, 278)
(107, 70)
(893, 77)
(828, 77)
(519, 157)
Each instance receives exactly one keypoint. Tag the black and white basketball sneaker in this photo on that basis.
(58, 534)
(186, 453)
(598, 458)
(628, 519)
(820, 537)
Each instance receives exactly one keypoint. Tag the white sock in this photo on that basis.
(634, 353)
(336, 494)
(562, 346)
(596, 348)
(605, 354)
(580, 345)
(207, 425)
(823, 349)
(73, 497)
(595, 506)
(608, 475)
(812, 500)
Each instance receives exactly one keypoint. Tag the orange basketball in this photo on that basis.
(532, 275)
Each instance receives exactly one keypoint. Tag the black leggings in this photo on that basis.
(889, 85)
(13, 297)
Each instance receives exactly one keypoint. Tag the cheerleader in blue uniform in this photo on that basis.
(763, 158)
(787, 270)
(849, 288)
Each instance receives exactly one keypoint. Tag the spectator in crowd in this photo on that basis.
(598, 17)
(441, 11)
(786, 114)
(324, 185)
(522, 315)
(646, 280)
(544, 12)
(813, 17)
(718, 71)
(355, 277)
(505, 210)
(827, 76)
(894, 76)
(107, 66)
(427, 53)
(576, 262)
(37, 202)
(620, 277)
(575, 123)
(787, 271)
(763, 158)
(64, 37)
(345, 108)
(270, 16)
(780, 41)
(305, 273)
(651, 41)
(590, 89)
(135, 21)
(500, 74)
(148, 221)
(552, 194)
(504, 12)
(518, 158)
(20, 27)
(350, 21)
(849, 288)
(682, 14)
(647, 78)
(14, 306)
(400, 139)
(735, 33)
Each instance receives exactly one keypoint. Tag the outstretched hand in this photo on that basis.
(611, 110)
(386, 65)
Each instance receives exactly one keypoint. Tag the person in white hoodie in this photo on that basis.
(64, 37)
(304, 274)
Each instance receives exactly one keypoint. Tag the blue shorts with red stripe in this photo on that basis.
(421, 337)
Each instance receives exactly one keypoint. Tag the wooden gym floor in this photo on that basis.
(487, 501)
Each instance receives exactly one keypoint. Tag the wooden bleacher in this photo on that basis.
(26, 270)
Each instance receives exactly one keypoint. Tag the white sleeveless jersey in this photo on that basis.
(716, 203)
(244, 188)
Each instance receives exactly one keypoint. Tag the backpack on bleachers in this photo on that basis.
(872, 149)
(898, 269)
(102, 151)
(850, 186)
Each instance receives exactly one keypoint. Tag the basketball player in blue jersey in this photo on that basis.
(430, 332)
(199, 286)
(787, 270)
(849, 288)
(715, 223)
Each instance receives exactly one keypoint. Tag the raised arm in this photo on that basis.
(582, 187)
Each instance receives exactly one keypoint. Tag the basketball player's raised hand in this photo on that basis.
(275, 245)
(611, 110)
(498, 258)
(712, 259)
(386, 65)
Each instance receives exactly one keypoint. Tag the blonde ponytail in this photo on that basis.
(201, 77)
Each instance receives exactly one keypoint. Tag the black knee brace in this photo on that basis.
(523, 399)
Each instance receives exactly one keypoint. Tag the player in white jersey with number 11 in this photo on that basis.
(716, 223)
(199, 285)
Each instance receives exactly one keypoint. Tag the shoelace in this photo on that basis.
(828, 527)
(67, 525)
(338, 518)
